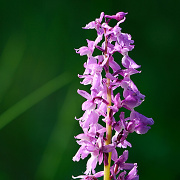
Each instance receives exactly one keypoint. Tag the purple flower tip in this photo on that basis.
(120, 15)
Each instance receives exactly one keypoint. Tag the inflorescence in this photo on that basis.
(102, 103)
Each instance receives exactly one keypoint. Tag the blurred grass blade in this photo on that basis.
(60, 138)
(10, 59)
(33, 98)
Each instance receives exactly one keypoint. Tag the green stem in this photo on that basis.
(108, 136)
(108, 126)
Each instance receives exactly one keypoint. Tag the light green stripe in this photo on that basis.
(10, 59)
(60, 137)
(33, 98)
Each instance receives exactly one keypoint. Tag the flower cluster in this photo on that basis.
(102, 103)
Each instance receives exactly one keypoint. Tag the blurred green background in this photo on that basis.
(38, 83)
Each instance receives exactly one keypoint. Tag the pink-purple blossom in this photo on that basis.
(102, 88)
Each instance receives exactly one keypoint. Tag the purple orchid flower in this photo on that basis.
(105, 76)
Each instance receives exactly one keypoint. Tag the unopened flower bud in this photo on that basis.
(119, 16)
